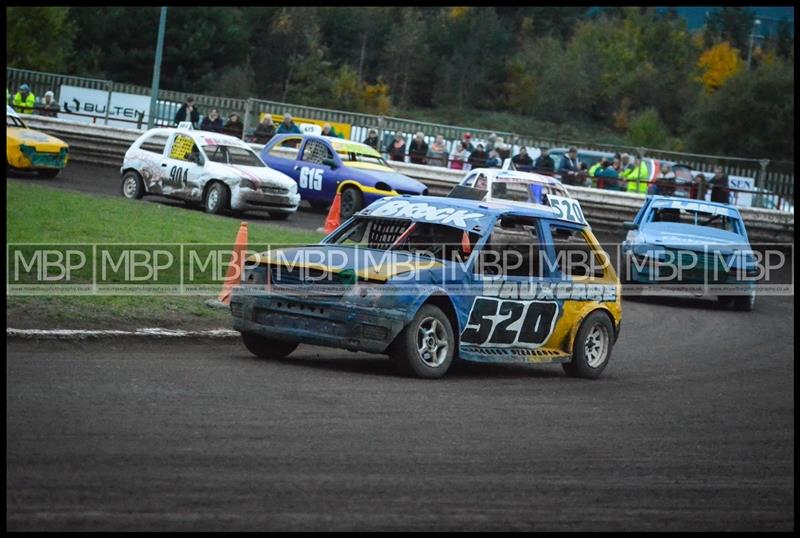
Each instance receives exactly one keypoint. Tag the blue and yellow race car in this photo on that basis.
(691, 246)
(428, 280)
(323, 166)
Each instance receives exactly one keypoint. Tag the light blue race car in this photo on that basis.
(691, 245)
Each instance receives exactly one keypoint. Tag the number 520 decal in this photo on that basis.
(504, 323)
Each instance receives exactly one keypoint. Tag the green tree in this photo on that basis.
(39, 38)
(751, 116)
(647, 130)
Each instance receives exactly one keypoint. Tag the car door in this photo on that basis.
(513, 313)
(580, 273)
(281, 155)
(178, 172)
(316, 178)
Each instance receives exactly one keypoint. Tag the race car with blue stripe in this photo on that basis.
(429, 280)
(323, 166)
(692, 246)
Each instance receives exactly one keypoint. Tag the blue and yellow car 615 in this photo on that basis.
(323, 166)
(428, 280)
(27, 149)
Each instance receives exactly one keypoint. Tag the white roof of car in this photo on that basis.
(203, 137)
(516, 175)
(11, 112)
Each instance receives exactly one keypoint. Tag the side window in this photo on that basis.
(574, 256)
(315, 152)
(286, 148)
(154, 144)
(470, 179)
(181, 146)
(513, 249)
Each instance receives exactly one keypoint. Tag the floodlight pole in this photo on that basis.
(162, 25)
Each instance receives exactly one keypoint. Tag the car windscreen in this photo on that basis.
(12, 121)
(524, 192)
(709, 219)
(426, 239)
(233, 155)
(352, 156)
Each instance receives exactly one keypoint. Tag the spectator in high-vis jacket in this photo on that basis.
(24, 100)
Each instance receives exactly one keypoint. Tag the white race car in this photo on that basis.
(513, 186)
(217, 170)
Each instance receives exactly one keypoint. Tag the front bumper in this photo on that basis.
(254, 200)
(316, 321)
(30, 157)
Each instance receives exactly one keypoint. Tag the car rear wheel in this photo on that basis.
(48, 173)
(132, 185)
(352, 201)
(217, 198)
(426, 347)
(744, 303)
(592, 348)
(267, 348)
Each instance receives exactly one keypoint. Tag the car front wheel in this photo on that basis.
(217, 198)
(267, 348)
(426, 347)
(132, 185)
(592, 348)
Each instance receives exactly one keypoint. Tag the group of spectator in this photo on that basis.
(211, 122)
(25, 102)
(490, 155)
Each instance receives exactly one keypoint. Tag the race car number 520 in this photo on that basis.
(568, 209)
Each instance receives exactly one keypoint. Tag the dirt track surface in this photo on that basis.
(691, 427)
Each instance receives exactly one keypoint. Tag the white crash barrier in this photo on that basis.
(605, 210)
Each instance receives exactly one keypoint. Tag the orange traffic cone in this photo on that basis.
(334, 218)
(236, 266)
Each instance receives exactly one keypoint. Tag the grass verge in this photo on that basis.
(37, 214)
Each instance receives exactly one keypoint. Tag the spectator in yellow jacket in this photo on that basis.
(24, 100)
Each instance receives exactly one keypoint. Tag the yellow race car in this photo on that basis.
(27, 149)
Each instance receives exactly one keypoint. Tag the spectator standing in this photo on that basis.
(24, 100)
(491, 142)
(265, 130)
(494, 160)
(570, 167)
(288, 126)
(397, 149)
(437, 152)
(234, 127)
(637, 176)
(665, 183)
(466, 141)
(503, 150)
(372, 140)
(187, 112)
(48, 106)
(328, 130)
(545, 162)
(522, 161)
(720, 188)
(418, 149)
(459, 156)
(610, 176)
(701, 185)
(477, 158)
(212, 122)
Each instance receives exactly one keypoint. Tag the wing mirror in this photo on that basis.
(331, 163)
(630, 225)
